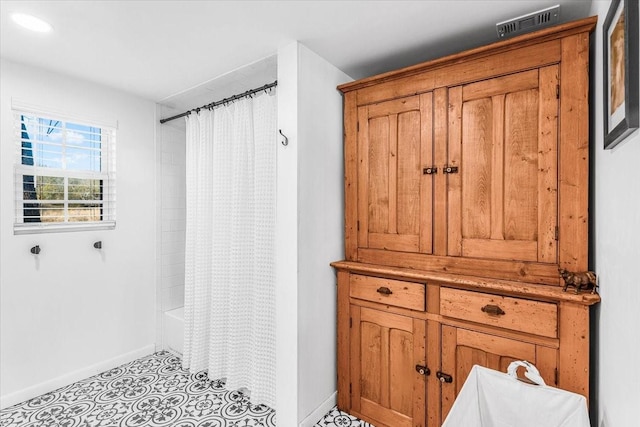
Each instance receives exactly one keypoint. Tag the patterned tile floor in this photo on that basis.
(337, 418)
(151, 391)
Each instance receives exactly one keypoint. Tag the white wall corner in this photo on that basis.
(287, 239)
(323, 409)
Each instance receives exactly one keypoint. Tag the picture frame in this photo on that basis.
(620, 59)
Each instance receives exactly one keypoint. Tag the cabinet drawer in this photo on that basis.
(522, 315)
(387, 291)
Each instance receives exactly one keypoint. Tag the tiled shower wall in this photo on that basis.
(171, 216)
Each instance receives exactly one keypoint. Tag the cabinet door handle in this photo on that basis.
(384, 290)
(444, 378)
(430, 170)
(423, 370)
(450, 169)
(494, 310)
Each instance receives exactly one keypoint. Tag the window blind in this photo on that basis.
(64, 174)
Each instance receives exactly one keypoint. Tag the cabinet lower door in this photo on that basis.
(386, 388)
(463, 348)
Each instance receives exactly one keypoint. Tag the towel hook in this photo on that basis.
(98, 244)
(35, 250)
(286, 140)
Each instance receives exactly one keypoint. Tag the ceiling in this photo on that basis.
(162, 50)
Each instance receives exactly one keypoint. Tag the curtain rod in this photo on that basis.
(222, 101)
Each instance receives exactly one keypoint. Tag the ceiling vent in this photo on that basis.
(530, 22)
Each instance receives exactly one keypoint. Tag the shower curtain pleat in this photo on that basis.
(230, 245)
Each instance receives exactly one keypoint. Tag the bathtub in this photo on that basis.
(174, 330)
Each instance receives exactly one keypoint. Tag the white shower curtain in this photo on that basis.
(230, 245)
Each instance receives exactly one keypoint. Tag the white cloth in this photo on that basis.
(230, 245)
(490, 398)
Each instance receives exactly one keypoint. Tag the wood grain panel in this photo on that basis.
(495, 345)
(383, 415)
(574, 348)
(395, 106)
(404, 294)
(408, 173)
(547, 363)
(350, 176)
(344, 331)
(385, 362)
(574, 153)
(517, 315)
(454, 181)
(390, 164)
(389, 347)
(521, 250)
(440, 141)
(355, 357)
(394, 242)
(419, 398)
(521, 166)
(471, 70)
(427, 182)
(402, 87)
(448, 363)
(363, 177)
(386, 320)
(434, 351)
(501, 85)
(401, 372)
(524, 272)
(379, 146)
(371, 349)
(392, 179)
(548, 165)
(477, 150)
(500, 64)
(497, 168)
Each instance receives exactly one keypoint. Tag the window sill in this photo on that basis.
(62, 228)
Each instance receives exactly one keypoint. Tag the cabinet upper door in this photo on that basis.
(503, 136)
(394, 189)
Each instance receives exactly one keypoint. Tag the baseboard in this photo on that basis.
(66, 379)
(320, 411)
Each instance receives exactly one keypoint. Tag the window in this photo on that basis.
(64, 174)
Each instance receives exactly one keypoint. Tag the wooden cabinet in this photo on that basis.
(476, 163)
(466, 188)
(497, 170)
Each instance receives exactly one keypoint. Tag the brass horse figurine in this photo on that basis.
(585, 280)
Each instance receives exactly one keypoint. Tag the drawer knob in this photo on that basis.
(493, 310)
(384, 290)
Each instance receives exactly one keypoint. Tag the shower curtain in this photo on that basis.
(230, 245)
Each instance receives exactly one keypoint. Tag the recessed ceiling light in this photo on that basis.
(32, 23)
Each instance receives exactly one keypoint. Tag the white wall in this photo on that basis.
(73, 311)
(310, 233)
(287, 240)
(616, 210)
(171, 227)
